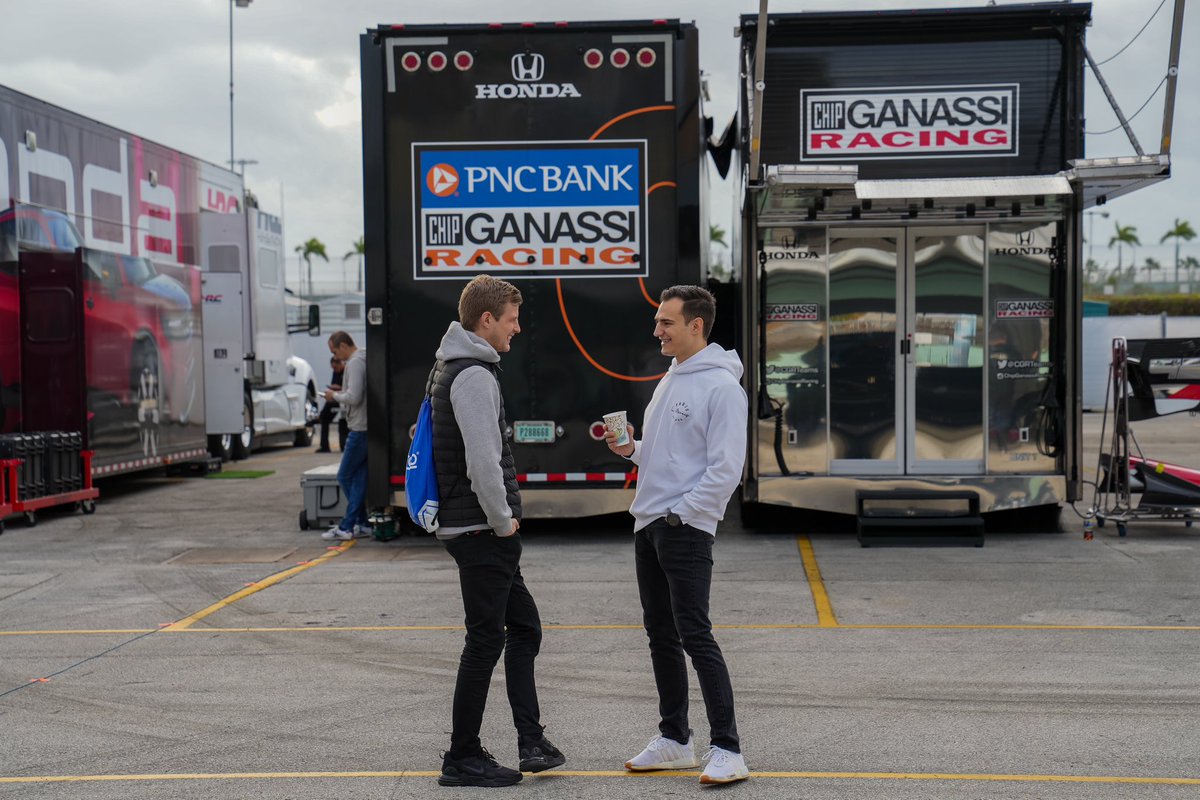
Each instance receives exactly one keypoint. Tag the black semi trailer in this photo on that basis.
(912, 289)
(566, 158)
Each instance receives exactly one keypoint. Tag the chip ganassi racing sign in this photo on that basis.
(908, 122)
(530, 209)
(1025, 309)
(794, 312)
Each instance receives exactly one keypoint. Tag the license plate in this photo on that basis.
(533, 432)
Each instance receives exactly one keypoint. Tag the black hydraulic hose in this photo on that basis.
(779, 442)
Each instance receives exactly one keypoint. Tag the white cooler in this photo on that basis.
(324, 502)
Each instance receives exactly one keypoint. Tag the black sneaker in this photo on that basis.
(539, 754)
(480, 769)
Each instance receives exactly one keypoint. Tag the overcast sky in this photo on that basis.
(160, 69)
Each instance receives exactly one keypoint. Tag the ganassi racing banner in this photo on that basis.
(530, 209)
(908, 122)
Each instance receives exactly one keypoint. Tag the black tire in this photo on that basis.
(221, 446)
(88, 506)
(147, 393)
(303, 520)
(243, 444)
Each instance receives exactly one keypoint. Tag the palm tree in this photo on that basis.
(1181, 230)
(360, 249)
(716, 236)
(1125, 234)
(313, 247)
(1151, 265)
(1190, 263)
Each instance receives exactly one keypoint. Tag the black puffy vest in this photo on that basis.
(458, 506)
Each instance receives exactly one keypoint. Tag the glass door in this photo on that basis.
(865, 387)
(945, 351)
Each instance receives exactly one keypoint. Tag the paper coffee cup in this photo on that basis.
(617, 423)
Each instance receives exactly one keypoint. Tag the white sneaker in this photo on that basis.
(724, 766)
(664, 753)
(336, 534)
(364, 531)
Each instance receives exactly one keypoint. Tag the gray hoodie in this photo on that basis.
(475, 396)
(353, 396)
(693, 443)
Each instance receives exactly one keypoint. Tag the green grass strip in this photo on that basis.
(241, 473)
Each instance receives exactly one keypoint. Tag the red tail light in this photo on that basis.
(646, 57)
(464, 60)
(410, 61)
(619, 58)
(437, 61)
(593, 58)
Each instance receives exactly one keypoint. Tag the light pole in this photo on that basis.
(239, 4)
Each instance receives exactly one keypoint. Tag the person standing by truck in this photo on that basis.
(690, 460)
(479, 514)
(330, 410)
(352, 474)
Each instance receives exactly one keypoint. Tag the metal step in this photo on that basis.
(918, 517)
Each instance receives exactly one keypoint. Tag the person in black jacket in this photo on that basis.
(479, 513)
(330, 410)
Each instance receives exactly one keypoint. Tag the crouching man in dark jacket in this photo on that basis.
(478, 518)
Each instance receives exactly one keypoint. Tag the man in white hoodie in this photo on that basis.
(689, 461)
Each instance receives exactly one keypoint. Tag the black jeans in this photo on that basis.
(328, 412)
(674, 572)
(500, 617)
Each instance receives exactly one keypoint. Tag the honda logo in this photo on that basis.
(528, 67)
(1025, 238)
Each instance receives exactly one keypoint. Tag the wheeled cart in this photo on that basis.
(324, 501)
(1147, 379)
(85, 496)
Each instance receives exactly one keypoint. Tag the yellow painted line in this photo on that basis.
(257, 586)
(74, 632)
(691, 775)
(825, 615)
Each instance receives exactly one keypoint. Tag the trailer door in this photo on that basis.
(53, 371)
(906, 351)
(865, 386)
(223, 350)
(944, 351)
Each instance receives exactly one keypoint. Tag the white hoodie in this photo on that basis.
(693, 441)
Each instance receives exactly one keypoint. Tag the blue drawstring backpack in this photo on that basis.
(420, 476)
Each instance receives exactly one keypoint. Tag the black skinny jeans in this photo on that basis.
(328, 412)
(674, 572)
(501, 616)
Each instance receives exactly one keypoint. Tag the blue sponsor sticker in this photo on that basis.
(567, 176)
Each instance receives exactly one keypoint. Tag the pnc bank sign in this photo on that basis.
(908, 122)
(530, 209)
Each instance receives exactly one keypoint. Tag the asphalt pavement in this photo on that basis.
(188, 640)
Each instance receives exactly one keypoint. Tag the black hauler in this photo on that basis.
(566, 158)
(911, 230)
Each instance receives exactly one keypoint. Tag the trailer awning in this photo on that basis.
(917, 189)
(1103, 179)
(835, 192)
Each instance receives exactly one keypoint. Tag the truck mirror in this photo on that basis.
(314, 320)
